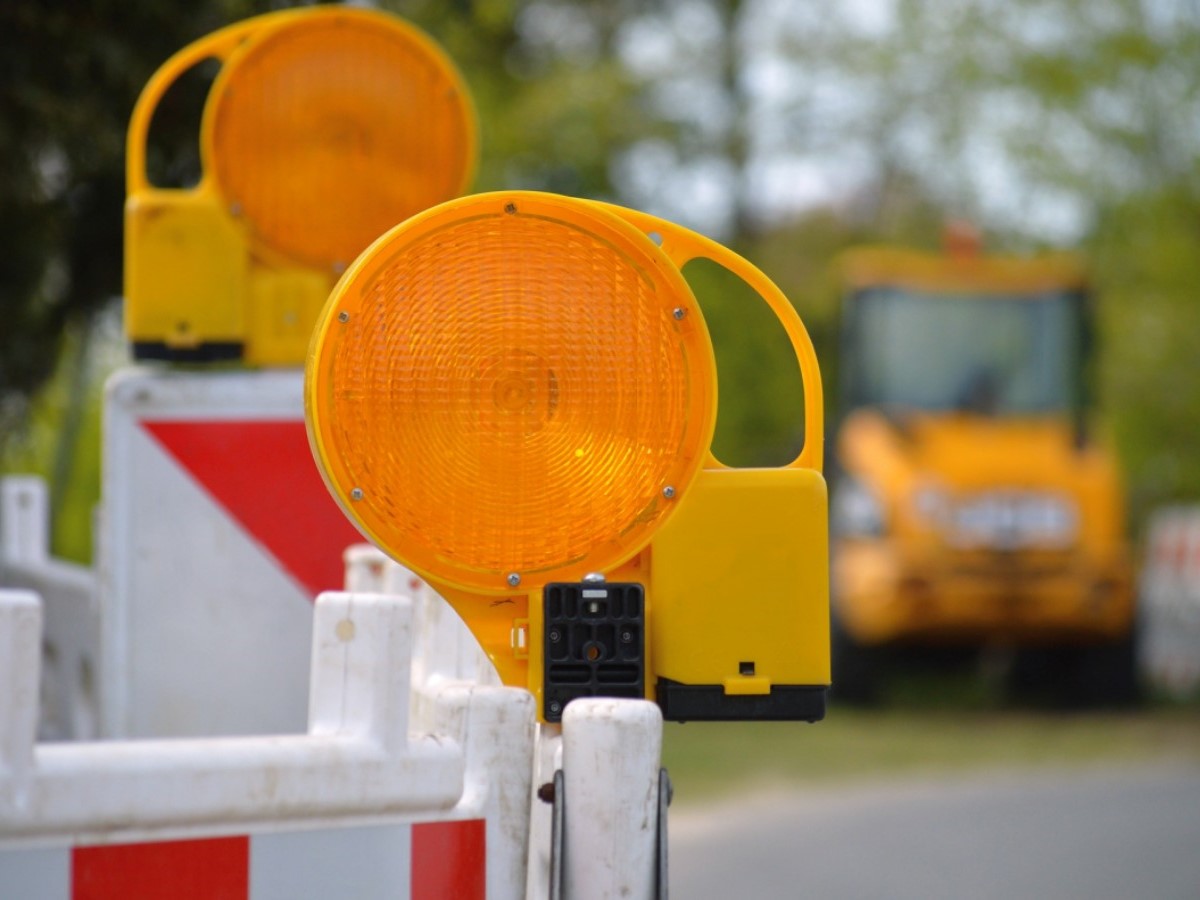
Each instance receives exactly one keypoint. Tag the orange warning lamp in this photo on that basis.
(510, 390)
(514, 394)
(323, 128)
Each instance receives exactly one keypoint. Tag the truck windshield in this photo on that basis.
(991, 355)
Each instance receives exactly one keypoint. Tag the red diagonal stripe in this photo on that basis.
(264, 476)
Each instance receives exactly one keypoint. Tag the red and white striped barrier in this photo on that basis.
(1169, 612)
(431, 861)
(217, 533)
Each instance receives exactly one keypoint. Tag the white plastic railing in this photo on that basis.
(70, 610)
(406, 723)
(357, 759)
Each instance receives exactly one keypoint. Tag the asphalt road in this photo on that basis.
(1119, 834)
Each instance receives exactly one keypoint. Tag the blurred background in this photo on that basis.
(791, 131)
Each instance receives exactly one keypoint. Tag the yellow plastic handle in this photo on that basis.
(219, 45)
(681, 245)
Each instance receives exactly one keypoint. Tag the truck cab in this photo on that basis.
(972, 505)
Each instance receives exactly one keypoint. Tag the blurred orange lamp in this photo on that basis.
(323, 128)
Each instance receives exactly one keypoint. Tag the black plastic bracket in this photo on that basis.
(709, 703)
(593, 641)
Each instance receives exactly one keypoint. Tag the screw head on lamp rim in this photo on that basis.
(506, 381)
(325, 128)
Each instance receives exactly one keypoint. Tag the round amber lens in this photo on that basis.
(511, 386)
(333, 126)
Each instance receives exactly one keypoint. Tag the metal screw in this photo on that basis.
(235, 209)
(669, 491)
(510, 208)
(343, 316)
(555, 635)
(356, 494)
(555, 707)
(626, 637)
(679, 312)
(339, 267)
(545, 792)
(513, 579)
(593, 578)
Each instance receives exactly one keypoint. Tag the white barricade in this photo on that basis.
(71, 617)
(449, 814)
(357, 767)
(1169, 608)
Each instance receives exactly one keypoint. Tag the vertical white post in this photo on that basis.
(612, 752)
(364, 569)
(24, 519)
(20, 663)
(361, 654)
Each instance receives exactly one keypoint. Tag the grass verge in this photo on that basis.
(708, 760)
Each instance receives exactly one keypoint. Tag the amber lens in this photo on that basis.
(511, 384)
(332, 127)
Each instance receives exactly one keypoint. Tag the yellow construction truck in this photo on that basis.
(972, 505)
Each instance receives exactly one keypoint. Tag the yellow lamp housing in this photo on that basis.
(738, 578)
(514, 395)
(323, 127)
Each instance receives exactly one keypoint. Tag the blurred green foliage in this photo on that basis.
(997, 110)
(69, 75)
(72, 394)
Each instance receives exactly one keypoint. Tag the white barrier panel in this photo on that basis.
(358, 767)
(217, 533)
(1169, 609)
(71, 632)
